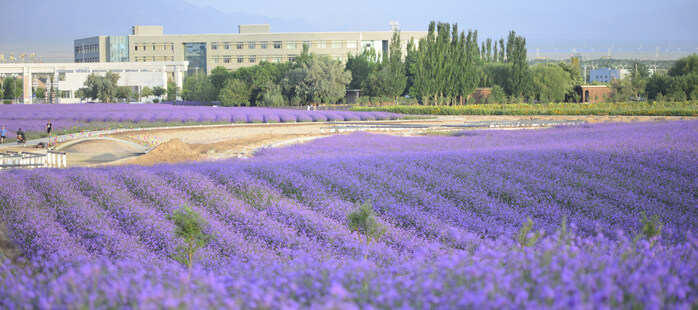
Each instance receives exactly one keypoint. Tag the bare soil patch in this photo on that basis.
(100, 146)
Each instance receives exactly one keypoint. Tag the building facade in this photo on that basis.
(594, 93)
(604, 75)
(69, 77)
(253, 44)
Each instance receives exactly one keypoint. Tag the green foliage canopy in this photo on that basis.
(236, 93)
(321, 79)
(102, 88)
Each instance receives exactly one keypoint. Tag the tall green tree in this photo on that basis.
(146, 92)
(424, 67)
(495, 54)
(320, 79)
(510, 45)
(502, 50)
(488, 53)
(123, 92)
(467, 65)
(219, 75)
(13, 87)
(520, 75)
(272, 97)
(158, 91)
(550, 83)
(102, 88)
(198, 88)
(361, 66)
(390, 77)
(236, 93)
(172, 90)
(639, 73)
(40, 92)
(395, 67)
(684, 66)
(658, 85)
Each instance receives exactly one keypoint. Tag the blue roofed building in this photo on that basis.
(604, 75)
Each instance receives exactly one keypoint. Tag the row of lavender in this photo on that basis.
(34, 117)
(451, 205)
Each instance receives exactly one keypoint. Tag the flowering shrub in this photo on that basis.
(606, 213)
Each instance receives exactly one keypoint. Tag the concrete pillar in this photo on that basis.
(179, 79)
(164, 76)
(27, 80)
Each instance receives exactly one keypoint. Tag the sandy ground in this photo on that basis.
(100, 146)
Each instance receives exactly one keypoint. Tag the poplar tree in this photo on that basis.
(494, 52)
(472, 56)
(452, 66)
(488, 54)
(443, 61)
(483, 52)
(520, 75)
(510, 44)
(422, 67)
(501, 50)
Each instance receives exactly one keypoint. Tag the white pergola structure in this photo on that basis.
(72, 76)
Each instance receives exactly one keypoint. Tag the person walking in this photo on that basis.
(49, 128)
(3, 134)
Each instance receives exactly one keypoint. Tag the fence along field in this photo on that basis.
(570, 217)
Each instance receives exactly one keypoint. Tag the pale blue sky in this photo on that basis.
(546, 19)
(49, 27)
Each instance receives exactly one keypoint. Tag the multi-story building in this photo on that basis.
(606, 75)
(253, 44)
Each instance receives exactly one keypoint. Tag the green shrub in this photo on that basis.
(363, 221)
(190, 227)
(651, 227)
(526, 236)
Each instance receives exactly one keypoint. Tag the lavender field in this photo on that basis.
(33, 118)
(452, 208)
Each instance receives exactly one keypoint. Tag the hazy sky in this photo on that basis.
(542, 19)
(49, 27)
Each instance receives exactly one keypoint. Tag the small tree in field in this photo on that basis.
(526, 236)
(651, 228)
(190, 227)
(363, 221)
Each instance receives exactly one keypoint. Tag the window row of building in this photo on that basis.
(92, 48)
(91, 59)
(152, 58)
(241, 59)
(250, 59)
(250, 45)
(154, 47)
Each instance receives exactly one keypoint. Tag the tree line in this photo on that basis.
(309, 78)
(104, 88)
(443, 68)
